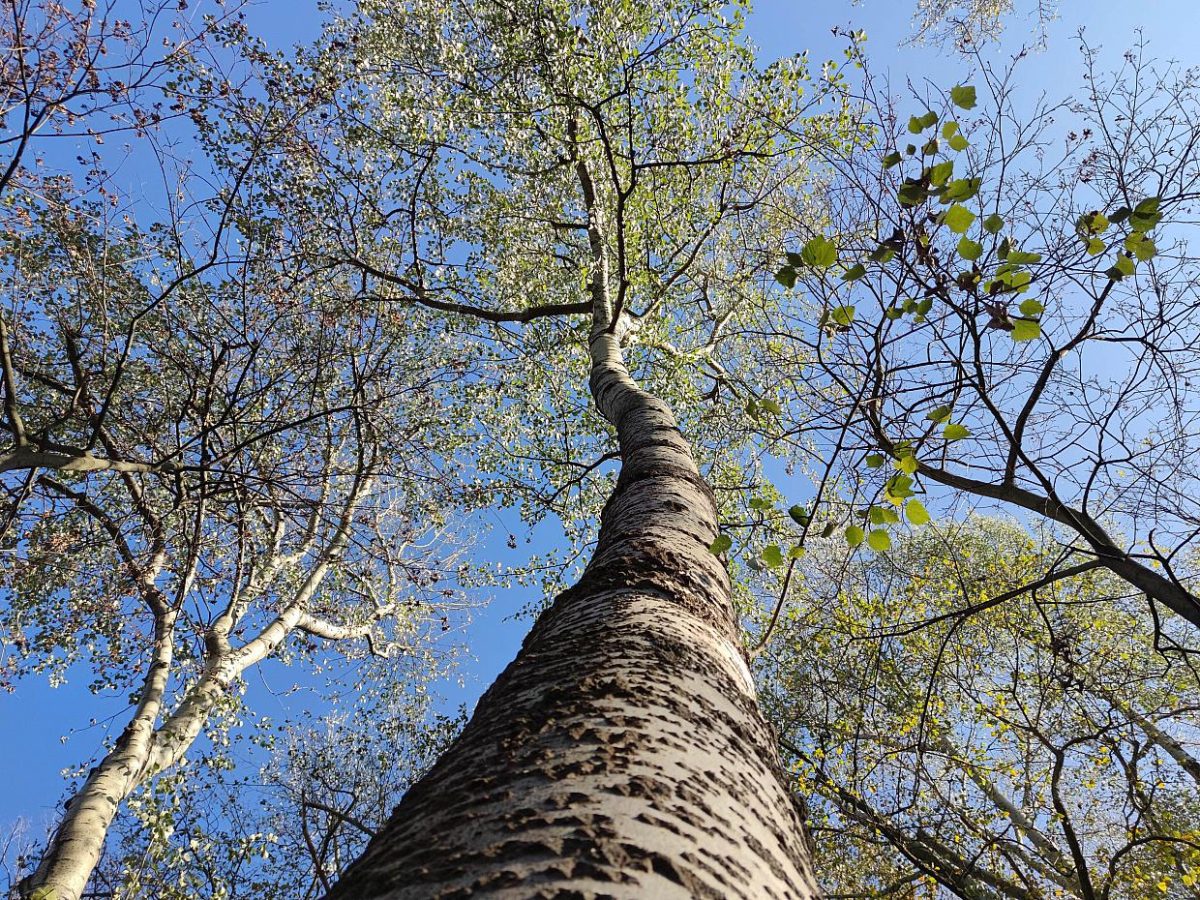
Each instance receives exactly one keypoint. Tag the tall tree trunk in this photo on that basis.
(622, 753)
(75, 848)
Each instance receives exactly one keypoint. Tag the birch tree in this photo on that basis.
(209, 458)
(579, 182)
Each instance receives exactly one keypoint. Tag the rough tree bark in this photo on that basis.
(622, 753)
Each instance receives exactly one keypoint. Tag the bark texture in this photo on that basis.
(623, 753)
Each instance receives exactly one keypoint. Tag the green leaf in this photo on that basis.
(958, 143)
(1095, 246)
(759, 503)
(993, 224)
(958, 218)
(772, 555)
(1093, 222)
(949, 129)
(795, 552)
(897, 488)
(855, 272)
(1122, 268)
(787, 277)
(969, 249)
(819, 253)
(912, 193)
(963, 96)
(939, 414)
(882, 515)
(1145, 215)
(892, 159)
(907, 464)
(917, 124)
(842, 315)
(883, 253)
(1031, 308)
(854, 535)
(771, 406)
(916, 513)
(941, 173)
(1140, 246)
(1022, 258)
(873, 460)
(799, 515)
(720, 545)
(1026, 330)
(879, 540)
(954, 432)
(961, 189)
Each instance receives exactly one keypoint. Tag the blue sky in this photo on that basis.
(34, 719)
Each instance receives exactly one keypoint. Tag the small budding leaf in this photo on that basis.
(720, 545)
(958, 218)
(819, 253)
(772, 555)
(993, 224)
(963, 96)
(916, 513)
(854, 535)
(879, 540)
(1026, 330)
(955, 432)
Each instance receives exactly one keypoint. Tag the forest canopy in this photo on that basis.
(831, 434)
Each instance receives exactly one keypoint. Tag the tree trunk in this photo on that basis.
(622, 753)
(75, 848)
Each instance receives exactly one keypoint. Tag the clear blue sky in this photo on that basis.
(33, 719)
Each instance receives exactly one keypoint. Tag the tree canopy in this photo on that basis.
(931, 359)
